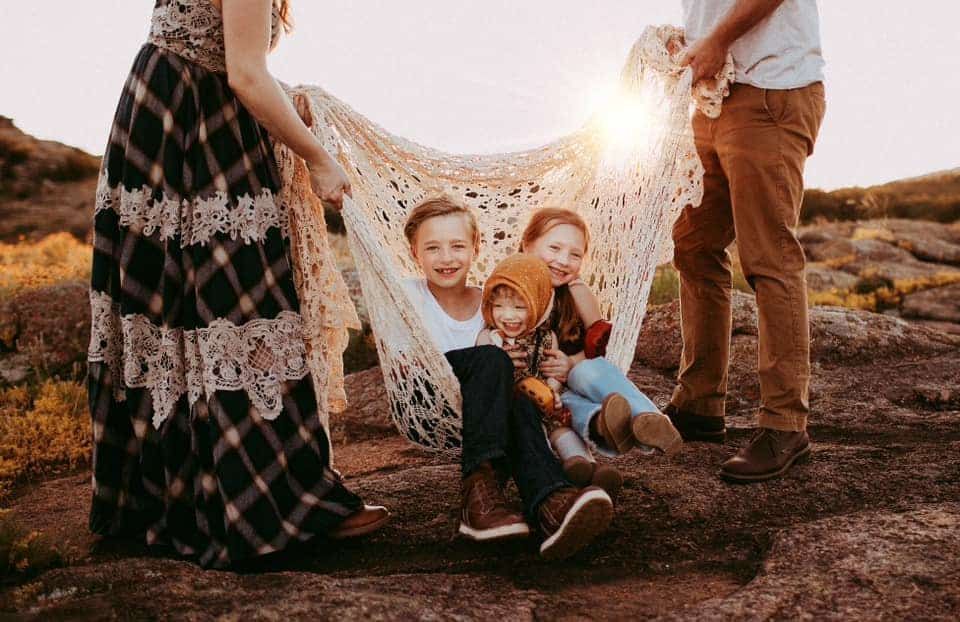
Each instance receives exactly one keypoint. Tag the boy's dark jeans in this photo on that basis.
(503, 429)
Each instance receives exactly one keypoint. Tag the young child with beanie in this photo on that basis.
(517, 301)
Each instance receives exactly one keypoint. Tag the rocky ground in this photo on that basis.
(45, 186)
(912, 266)
(869, 528)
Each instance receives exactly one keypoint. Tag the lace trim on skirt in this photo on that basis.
(257, 357)
(195, 220)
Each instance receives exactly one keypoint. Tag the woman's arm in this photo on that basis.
(588, 307)
(246, 32)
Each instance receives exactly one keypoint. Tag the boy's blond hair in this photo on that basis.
(433, 207)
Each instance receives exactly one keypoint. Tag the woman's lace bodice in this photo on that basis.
(193, 29)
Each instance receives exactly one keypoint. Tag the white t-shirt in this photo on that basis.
(781, 52)
(449, 333)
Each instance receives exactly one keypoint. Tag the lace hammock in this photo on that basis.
(629, 184)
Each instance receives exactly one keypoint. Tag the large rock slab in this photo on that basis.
(48, 326)
(941, 304)
(930, 249)
(891, 249)
(925, 229)
(837, 335)
(823, 279)
(145, 588)
(878, 565)
(868, 525)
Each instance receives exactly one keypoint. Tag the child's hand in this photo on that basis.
(557, 402)
(519, 356)
(556, 365)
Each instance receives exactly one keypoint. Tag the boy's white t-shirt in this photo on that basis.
(449, 333)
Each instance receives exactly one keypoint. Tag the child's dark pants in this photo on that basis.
(501, 428)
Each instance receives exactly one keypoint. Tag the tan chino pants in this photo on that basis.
(753, 156)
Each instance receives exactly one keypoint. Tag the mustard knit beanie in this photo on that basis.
(529, 277)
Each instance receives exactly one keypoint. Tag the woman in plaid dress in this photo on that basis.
(206, 426)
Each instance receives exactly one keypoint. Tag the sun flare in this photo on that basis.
(627, 124)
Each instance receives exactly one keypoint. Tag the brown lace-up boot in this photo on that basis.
(484, 513)
(697, 427)
(570, 519)
(769, 454)
(364, 521)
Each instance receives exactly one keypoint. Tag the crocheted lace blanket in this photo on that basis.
(628, 180)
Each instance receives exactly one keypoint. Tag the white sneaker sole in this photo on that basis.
(518, 530)
(589, 517)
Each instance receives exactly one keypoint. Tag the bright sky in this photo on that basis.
(499, 75)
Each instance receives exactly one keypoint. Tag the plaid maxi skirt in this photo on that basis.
(206, 430)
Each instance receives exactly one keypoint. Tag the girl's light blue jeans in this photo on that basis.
(588, 383)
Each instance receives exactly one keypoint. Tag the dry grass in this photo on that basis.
(23, 553)
(666, 283)
(837, 262)
(871, 293)
(54, 259)
(665, 286)
(44, 429)
(873, 233)
(934, 197)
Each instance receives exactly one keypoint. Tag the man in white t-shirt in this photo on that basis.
(753, 156)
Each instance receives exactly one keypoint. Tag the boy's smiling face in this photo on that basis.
(509, 312)
(444, 249)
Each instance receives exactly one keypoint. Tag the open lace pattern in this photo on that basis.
(194, 30)
(256, 357)
(630, 198)
(194, 220)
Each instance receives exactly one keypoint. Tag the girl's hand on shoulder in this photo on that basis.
(556, 365)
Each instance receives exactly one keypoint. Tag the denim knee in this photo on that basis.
(588, 373)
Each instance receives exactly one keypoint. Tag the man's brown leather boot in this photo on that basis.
(696, 427)
(769, 454)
